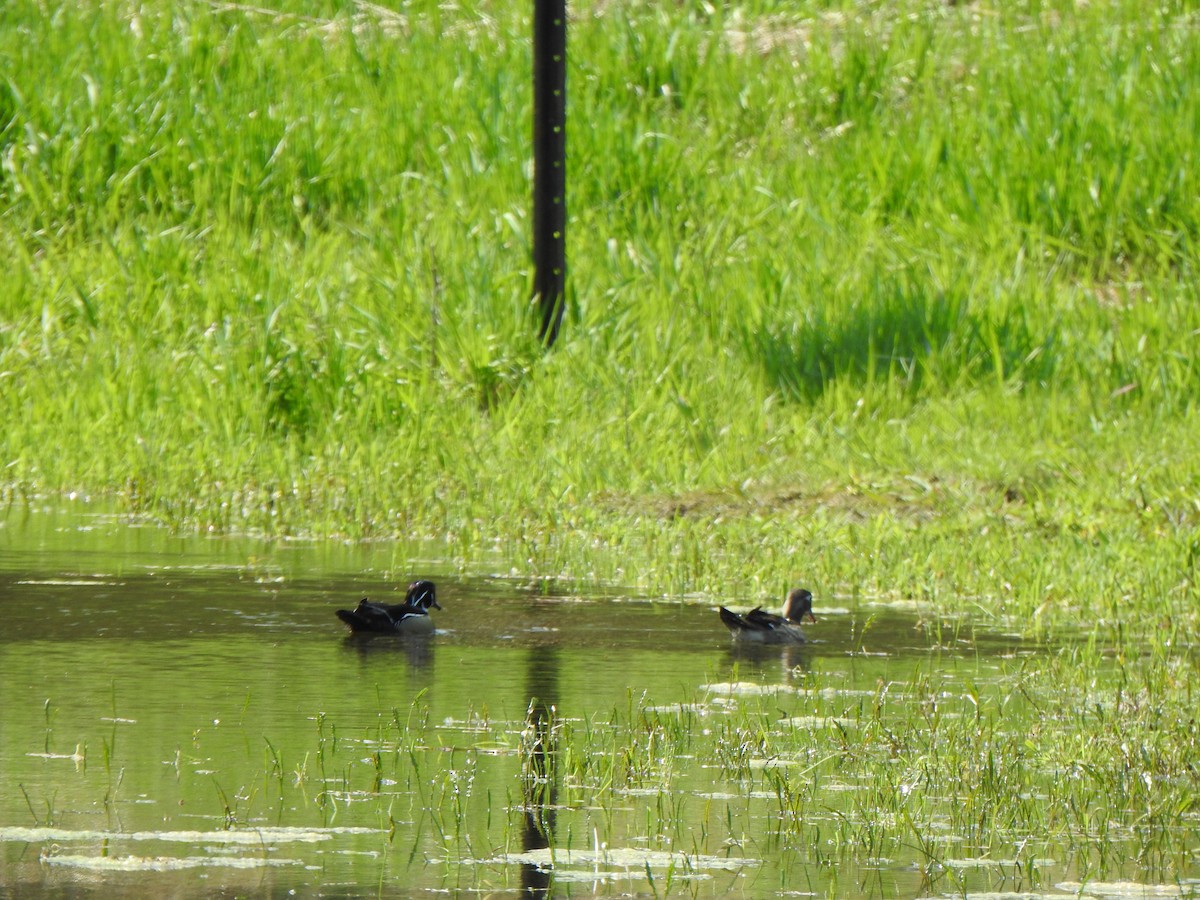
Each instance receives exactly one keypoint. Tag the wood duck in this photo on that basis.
(409, 617)
(761, 627)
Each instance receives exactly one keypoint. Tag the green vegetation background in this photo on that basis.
(893, 298)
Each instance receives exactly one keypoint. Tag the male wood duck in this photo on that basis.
(761, 627)
(409, 617)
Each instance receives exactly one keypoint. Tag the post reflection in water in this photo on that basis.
(539, 777)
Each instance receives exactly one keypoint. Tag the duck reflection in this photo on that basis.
(416, 649)
(539, 782)
(792, 659)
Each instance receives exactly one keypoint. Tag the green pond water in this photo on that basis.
(184, 716)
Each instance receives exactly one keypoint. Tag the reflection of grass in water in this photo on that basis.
(1041, 771)
(1016, 772)
(37, 820)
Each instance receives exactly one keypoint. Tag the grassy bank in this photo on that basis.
(896, 298)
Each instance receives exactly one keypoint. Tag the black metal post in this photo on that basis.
(549, 163)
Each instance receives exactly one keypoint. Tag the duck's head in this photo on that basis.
(422, 594)
(799, 606)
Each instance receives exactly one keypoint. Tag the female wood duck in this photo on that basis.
(409, 617)
(761, 627)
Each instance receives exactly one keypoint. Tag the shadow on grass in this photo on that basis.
(902, 335)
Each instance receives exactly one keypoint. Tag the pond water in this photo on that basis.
(187, 717)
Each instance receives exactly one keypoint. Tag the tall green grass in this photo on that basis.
(895, 297)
